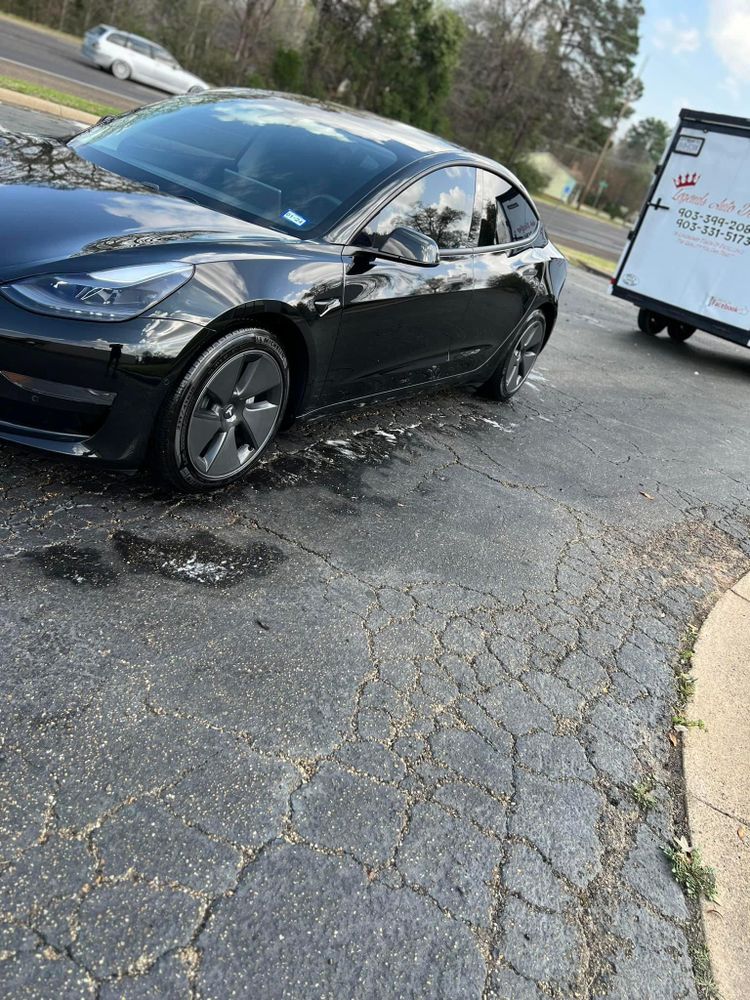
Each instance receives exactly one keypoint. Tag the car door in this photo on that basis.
(398, 316)
(506, 274)
(168, 74)
(142, 62)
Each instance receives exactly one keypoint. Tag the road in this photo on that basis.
(39, 57)
(583, 232)
(369, 727)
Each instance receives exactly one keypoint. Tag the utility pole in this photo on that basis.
(632, 89)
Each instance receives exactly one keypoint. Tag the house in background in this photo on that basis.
(561, 181)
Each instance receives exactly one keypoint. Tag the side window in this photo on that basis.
(143, 48)
(163, 56)
(503, 214)
(116, 39)
(438, 205)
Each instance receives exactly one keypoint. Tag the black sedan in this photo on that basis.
(180, 281)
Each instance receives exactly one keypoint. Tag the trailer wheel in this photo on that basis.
(650, 322)
(679, 331)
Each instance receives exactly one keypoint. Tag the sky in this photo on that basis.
(697, 56)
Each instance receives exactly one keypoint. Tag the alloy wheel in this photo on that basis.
(235, 414)
(524, 356)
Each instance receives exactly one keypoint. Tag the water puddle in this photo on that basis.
(201, 559)
(79, 565)
(338, 464)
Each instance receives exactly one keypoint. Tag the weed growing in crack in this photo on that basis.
(681, 723)
(687, 650)
(685, 689)
(642, 793)
(696, 879)
(704, 977)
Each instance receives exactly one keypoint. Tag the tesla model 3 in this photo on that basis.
(180, 281)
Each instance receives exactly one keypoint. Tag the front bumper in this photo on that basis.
(86, 389)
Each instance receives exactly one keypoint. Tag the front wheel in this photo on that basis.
(679, 331)
(224, 414)
(519, 361)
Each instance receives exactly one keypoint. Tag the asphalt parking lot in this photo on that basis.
(369, 727)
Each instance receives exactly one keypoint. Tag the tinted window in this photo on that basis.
(98, 30)
(438, 205)
(292, 165)
(503, 214)
(117, 39)
(139, 46)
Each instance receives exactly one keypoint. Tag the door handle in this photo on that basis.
(324, 306)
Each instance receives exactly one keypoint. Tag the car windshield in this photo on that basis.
(289, 165)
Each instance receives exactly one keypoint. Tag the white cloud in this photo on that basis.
(729, 31)
(677, 37)
(456, 198)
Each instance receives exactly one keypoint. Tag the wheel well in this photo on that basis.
(549, 310)
(292, 341)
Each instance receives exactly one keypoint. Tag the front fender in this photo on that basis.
(283, 285)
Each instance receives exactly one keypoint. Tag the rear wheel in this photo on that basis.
(679, 331)
(519, 361)
(224, 414)
(120, 69)
(650, 322)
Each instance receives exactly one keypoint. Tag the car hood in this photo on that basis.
(56, 207)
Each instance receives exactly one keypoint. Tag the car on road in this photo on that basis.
(180, 281)
(130, 57)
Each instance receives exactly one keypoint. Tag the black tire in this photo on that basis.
(223, 414)
(120, 70)
(679, 331)
(650, 322)
(519, 360)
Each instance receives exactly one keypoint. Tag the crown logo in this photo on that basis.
(686, 180)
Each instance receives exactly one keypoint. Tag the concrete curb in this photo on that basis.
(718, 782)
(17, 100)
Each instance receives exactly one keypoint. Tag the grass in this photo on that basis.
(696, 879)
(642, 793)
(704, 977)
(587, 259)
(74, 39)
(58, 97)
(681, 722)
(687, 651)
(685, 688)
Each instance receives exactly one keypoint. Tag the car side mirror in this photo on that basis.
(410, 245)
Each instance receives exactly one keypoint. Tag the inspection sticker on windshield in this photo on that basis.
(297, 220)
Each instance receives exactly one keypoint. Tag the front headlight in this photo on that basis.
(105, 296)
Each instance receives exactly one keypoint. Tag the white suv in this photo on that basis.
(132, 57)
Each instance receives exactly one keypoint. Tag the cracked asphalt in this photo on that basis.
(368, 727)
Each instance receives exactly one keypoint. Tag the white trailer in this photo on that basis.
(687, 261)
